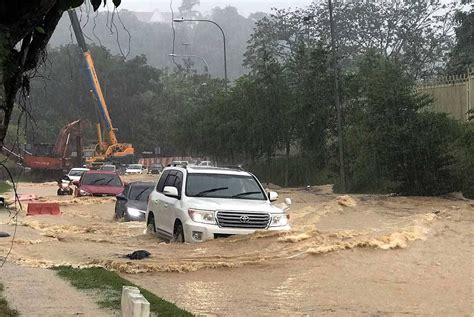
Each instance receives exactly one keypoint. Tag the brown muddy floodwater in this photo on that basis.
(362, 255)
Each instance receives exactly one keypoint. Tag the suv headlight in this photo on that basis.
(279, 220)
(202, 216)
(84, 193)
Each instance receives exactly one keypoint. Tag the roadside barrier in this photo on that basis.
(133, 304)
(35, 209)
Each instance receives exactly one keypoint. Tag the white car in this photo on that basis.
(108, 168)
(76, 173)
(195, 204)
(206, 163)
(134, 169)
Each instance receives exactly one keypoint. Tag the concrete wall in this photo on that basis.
(453, 95)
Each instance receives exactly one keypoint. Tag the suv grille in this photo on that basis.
(239, 219)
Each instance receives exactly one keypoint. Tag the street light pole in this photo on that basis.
(337, 100)
(194, 56)
(223, 37)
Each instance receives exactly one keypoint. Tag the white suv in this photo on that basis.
(195, 204)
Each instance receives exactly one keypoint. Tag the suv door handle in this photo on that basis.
(156, 201)
(165, 205)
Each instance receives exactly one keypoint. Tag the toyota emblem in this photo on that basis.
(244, 219)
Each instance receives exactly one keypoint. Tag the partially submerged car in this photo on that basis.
(134, 169)
(108, 168)
(98, 183)
(195, 204)
(155, 168)
(76, 173)
(179, 163)
(132, 202)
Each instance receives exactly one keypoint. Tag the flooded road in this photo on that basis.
(350, 255)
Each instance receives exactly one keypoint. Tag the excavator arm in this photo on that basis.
(62, 141)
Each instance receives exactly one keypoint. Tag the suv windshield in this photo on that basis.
(101, 179)
(223, 186)
(135, 167)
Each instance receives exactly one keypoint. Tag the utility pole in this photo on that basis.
(337, 100)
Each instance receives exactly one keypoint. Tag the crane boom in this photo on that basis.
(111, 150)
(99, 96)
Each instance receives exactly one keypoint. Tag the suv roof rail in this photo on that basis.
(233, 167)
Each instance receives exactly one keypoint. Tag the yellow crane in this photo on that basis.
(110, 149)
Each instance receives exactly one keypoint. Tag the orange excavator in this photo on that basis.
(108, 148)
(51, 160)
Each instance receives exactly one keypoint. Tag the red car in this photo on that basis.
(99, 183)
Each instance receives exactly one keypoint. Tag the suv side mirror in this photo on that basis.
(272, 196)
(75, 183)
(170, 191)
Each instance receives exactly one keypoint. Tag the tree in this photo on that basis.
(186, 8)
(25, 30)
(415, 34)
(462, 54)
(394, 143)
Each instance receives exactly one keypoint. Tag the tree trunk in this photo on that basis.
(287, 162)
(32, 23)
(11, 81)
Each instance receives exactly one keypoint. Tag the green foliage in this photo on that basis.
(462, 55)
(109, 284)
(302, 171)
(462, 149)
(4, 187)
(392, 144)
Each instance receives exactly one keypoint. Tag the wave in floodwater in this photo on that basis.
(265, 246)
(79, 201)
(333, 225)
(301, 243)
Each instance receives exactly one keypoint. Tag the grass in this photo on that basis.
(109, 285)
(5, 310)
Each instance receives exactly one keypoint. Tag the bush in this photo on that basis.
(301, 172)
(392, 143)
(463, 166)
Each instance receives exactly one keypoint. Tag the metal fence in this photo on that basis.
(452, 94)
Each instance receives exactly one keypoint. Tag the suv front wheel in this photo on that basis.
(178, 232)
(150, 227)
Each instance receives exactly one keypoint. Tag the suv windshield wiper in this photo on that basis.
(210, 191)
(245, 194)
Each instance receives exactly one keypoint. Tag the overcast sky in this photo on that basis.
(245, 7)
